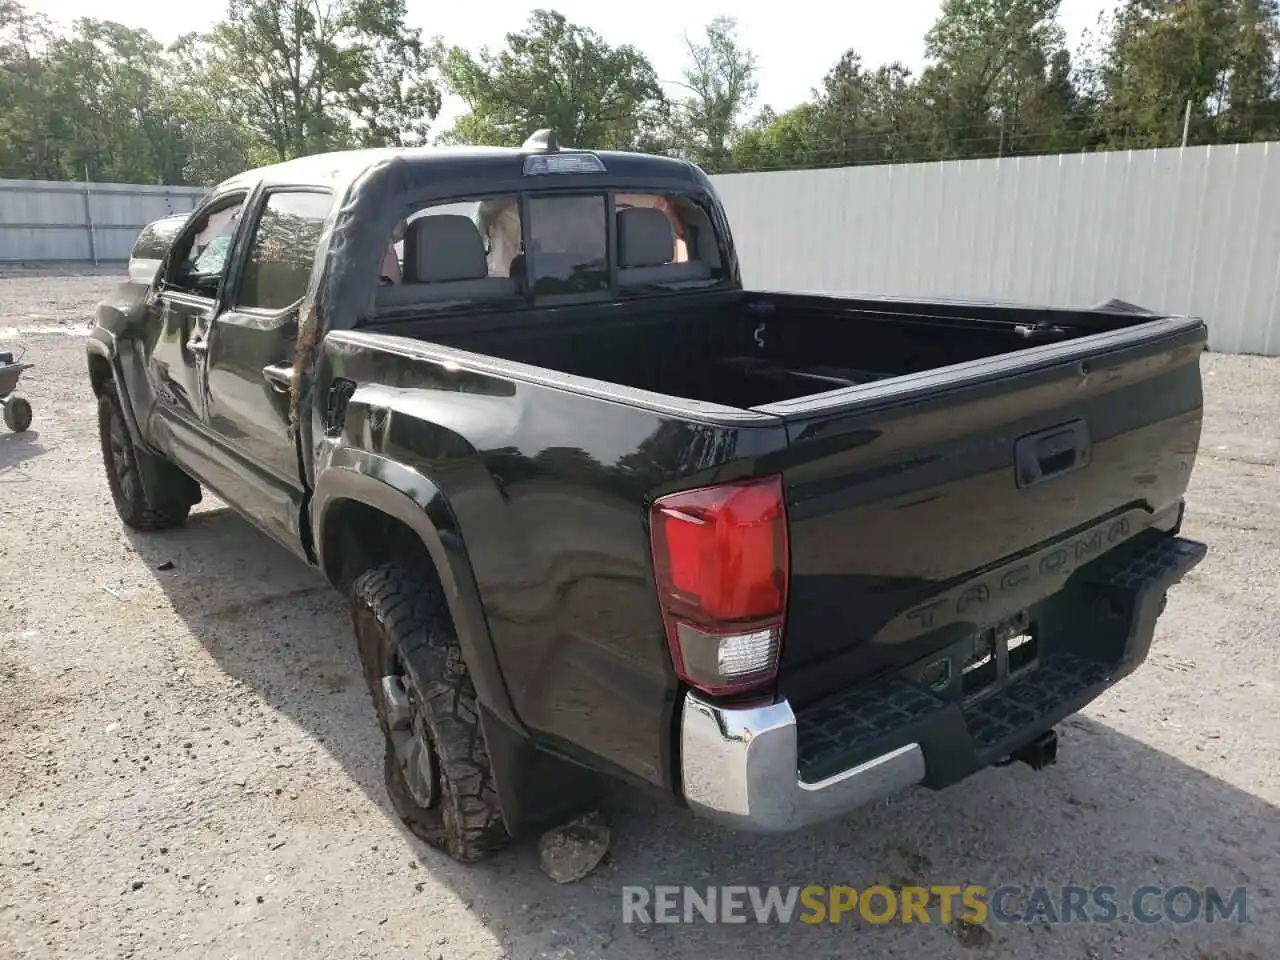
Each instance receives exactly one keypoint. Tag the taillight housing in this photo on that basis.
(721, 561)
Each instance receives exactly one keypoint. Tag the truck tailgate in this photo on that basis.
(928, 508)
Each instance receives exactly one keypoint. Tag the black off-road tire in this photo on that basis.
(404, 630)
(120, 459)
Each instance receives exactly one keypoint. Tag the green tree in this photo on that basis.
(859, 116)
(26, 148)
(870, 116)
(308, 76)
(1218, 55)
(780, 141)
(220, 140)
(1253, 73)
(112, 118)
(721, 84)
(559, 75)
(994, 81)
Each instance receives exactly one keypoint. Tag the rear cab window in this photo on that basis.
(518, 249)
(567, 245)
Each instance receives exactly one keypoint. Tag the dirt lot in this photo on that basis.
(189, 766)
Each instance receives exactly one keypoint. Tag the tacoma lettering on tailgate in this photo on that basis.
(1016, 585)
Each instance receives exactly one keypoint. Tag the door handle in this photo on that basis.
(279, 375)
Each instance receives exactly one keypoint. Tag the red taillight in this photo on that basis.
(721, 562)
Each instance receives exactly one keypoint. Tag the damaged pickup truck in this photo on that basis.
(601, 512)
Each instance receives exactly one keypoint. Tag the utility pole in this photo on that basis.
(88, 218)
(1186, 123)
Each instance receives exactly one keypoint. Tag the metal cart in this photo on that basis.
(17, 411)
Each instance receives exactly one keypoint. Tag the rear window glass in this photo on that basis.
(497, 225)
(498, 249)
(568, 245)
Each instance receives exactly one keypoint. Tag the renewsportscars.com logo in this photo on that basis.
(815, 904)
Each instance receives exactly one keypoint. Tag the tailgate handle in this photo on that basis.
(1051, 453)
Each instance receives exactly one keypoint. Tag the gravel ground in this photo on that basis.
(189, 766)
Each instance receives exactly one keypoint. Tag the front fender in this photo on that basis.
(414, 500)
(102, 343)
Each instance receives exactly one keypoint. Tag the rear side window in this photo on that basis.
(285, 240)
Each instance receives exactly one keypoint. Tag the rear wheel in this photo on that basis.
(169, 508)
(436, 762)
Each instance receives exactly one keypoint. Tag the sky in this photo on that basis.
(795, 41)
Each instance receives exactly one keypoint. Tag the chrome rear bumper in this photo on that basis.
(742, 766)
(739, 768)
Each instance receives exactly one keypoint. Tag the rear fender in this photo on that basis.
(532, 786)
(412, 499)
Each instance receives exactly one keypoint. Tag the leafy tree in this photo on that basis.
(721, 85)
(279, 78)
(220, 141)
(780, 141)
(870, 116)
(1219, 55)
(113, 120)
(307, 76)
(559, 75)
(1253, 73)
(26, 150)
(994, 64)
(859, 116)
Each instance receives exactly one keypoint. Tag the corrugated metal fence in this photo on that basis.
(1193, 231)
(42, 220)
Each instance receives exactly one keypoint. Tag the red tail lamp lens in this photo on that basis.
(721, 563)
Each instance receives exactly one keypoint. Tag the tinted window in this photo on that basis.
(285, 241)
(568, 244)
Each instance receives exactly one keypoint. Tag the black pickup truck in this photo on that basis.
(603, 513)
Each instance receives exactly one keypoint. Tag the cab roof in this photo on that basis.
(339, 168)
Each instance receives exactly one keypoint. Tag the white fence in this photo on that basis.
(43, 220)
(1193, 231)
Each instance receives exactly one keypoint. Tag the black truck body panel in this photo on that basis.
(947, 465)
(547, 490)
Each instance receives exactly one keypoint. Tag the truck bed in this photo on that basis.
(752, 350)
(926, 444)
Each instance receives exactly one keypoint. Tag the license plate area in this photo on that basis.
(982, 663)
(1000, 655)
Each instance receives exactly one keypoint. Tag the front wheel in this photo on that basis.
(436, 762)
(173, 500)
